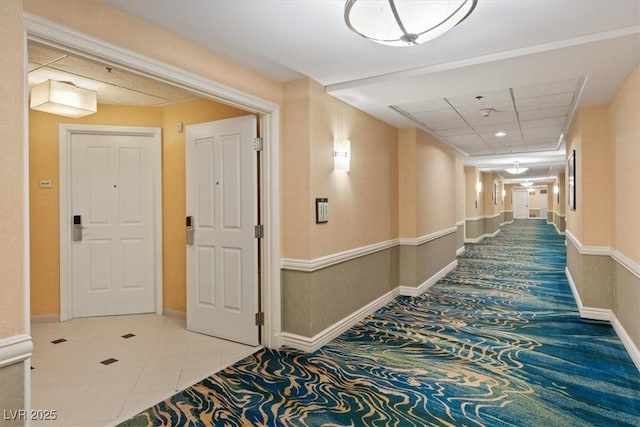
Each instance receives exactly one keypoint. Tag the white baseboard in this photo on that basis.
(609, 316)
(459, 251)
(45, 318)
(312, 344)
(15, 349)
(414, 292)
(628, 343)
(176, 314)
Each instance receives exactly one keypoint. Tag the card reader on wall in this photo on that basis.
(322, 211)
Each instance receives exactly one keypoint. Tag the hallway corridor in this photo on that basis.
(496, 342)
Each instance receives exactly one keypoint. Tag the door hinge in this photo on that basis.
(257, 144)
(260, 318)
(259, 231)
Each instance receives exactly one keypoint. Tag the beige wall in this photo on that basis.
(624, 114)
(592, 219)
(435, 197)
(11, 170)
(296, 209)
(508, 188)
(44, 220)
(363, 203)
(474, 201)
(460, 190)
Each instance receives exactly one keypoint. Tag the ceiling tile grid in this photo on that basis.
(511, 120)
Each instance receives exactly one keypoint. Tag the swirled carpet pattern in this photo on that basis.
(497, 342)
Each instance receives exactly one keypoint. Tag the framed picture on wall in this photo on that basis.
(571, 180)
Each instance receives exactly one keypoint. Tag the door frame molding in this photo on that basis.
(65, 133)
(55, 35)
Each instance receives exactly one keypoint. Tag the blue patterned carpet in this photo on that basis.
(497, 342)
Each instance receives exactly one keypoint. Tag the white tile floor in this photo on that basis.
(162, 358)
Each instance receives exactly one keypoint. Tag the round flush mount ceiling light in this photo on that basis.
(405, 22)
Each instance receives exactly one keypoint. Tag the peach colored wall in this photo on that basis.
(624, 114)
(596, 177)
(508, 188)
(561, 202)
(490, 207)
(43, 147)
(574, 142)
(436, 185)
(534, 199)
(108, 23)
(11, 169)
(407, 182)
(295, 177)
(460, 190)
(474, 201)
(363, 203)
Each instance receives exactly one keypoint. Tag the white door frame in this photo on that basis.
(56, 35)
(65, 133)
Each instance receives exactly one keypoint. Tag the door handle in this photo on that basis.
(77, 228)
(190, 230)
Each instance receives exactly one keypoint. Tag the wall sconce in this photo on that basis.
(556, 189)
(478, 187)
(63, 99)
(342, 155)
(504, 193)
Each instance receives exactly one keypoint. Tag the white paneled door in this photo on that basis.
(222, 249)
(112, 231)
(520, 204)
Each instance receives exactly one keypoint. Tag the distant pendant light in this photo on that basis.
(405, 22)
(63, 99)
(516, 169)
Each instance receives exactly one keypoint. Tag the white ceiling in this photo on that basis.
(535, 62)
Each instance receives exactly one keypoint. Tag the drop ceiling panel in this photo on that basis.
(445, 133)
(446, 124)
(436, 116)
(497, 118)
(545, 113)
(554, 123)
(546, 101)
(562, 86)
(488, 99)
(426, 105)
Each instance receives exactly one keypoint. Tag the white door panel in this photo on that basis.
(222, 278)
(521, 204)
(112, 191)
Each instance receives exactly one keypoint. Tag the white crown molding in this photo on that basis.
(15, 349)
(312, 344)
(414, 292)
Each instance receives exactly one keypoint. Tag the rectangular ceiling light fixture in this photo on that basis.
(63, 99)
